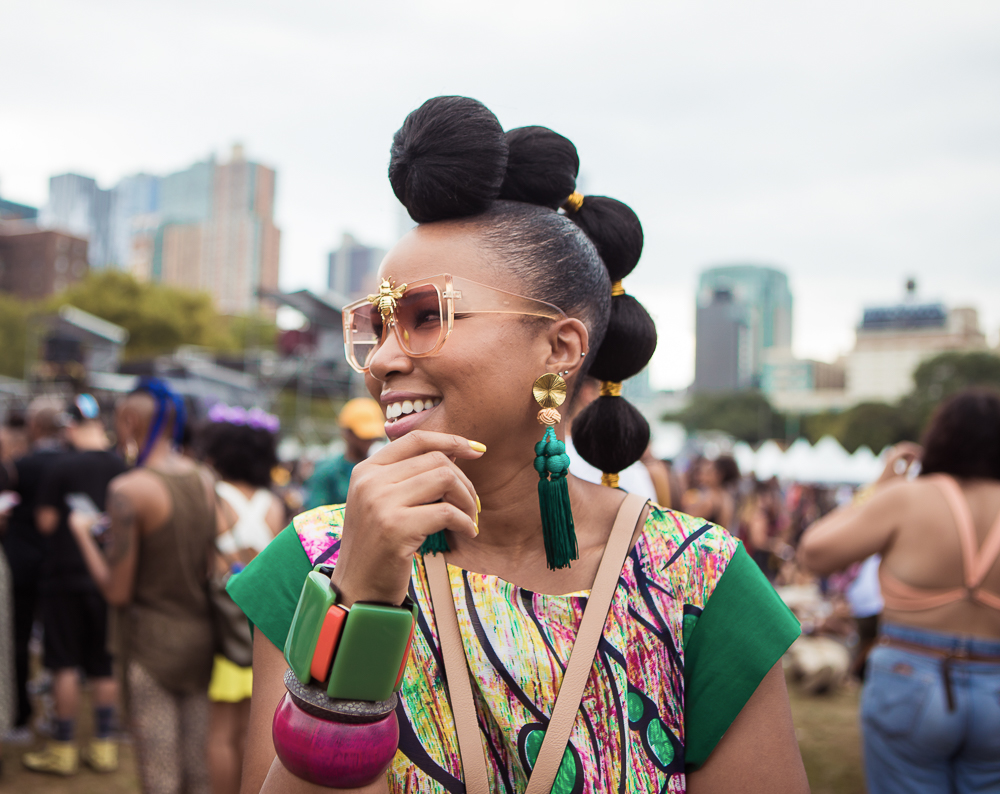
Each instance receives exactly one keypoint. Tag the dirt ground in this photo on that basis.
(826, 727)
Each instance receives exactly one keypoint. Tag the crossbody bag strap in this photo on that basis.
(581, 661)
(577, 672)
(456, 671)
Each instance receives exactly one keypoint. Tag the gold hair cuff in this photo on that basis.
(610, 480)
(610, 388)
(617, 288)
(574, 202)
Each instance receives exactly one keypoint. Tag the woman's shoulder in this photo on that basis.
(319, 531)
(684, 554)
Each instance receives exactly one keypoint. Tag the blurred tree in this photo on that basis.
(13, 334)
(875, 425)
(159, 317)
(745, 415)
(943, 376)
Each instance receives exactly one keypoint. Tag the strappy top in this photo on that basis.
(251, 530)
(975, 563)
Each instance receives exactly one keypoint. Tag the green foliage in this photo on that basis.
(159, 317)
(745, 415)
(14, 314)
(749, 416)
(943, 376)
(875, 425)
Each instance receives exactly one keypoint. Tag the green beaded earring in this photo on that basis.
(552, 465)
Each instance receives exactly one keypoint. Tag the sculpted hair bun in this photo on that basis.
(448, 160)
(541, 167)
(615, 230)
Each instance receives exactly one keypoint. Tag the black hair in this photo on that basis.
(729, 470)
(963, 437)
(240, 453)
(451, 160)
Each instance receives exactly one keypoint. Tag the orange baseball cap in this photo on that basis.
(363, 417)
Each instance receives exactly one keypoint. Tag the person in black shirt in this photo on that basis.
(22, 542)
(74, 614)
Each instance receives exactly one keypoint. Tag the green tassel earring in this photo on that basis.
(552, 465)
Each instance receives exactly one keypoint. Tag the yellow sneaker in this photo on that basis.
(101, 755)
(58, 758)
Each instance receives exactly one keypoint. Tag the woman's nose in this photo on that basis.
(389, 356)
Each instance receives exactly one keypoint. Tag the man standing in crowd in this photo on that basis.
(361, 424)
(24, 544)
(74, 614)
(156, 566)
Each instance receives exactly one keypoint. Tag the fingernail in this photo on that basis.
(476, 524)
(477, 446)
(479, 505)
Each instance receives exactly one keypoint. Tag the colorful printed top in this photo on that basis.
(693, 628)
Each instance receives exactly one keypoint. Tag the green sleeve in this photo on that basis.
(739, 636)
(268, 589)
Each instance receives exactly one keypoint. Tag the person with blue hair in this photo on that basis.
(153, 569)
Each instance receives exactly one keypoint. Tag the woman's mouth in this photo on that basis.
(403, 415)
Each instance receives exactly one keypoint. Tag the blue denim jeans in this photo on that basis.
(913, 742)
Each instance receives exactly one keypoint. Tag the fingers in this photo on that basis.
(440, 484)
(443, 515)
(419, 442)
(426, 462)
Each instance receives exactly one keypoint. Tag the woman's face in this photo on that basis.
(479, 383)
(709, 474)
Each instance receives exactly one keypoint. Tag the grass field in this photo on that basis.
(826, 727)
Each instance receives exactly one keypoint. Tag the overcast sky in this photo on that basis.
(850, 143)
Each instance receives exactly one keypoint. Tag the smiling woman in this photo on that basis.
(560, 636)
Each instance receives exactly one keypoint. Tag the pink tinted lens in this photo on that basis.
(365, 332)
(420, 317)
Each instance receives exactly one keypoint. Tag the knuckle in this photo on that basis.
(438, 458)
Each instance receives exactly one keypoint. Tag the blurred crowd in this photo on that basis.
(121, 525)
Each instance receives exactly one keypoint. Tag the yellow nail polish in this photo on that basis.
(476, 524)
(479, 505)
(477, 446)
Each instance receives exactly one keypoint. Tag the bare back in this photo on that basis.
(926, 553)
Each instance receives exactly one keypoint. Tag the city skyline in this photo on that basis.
(872, 160)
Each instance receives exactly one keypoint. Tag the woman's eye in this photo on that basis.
(428, 316)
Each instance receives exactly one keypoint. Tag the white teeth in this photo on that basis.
(395, 410)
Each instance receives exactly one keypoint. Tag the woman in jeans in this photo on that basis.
(930, 711)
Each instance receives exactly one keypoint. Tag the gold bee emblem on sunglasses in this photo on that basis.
(386, 298)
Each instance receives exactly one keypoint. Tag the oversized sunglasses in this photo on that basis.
(422, 314)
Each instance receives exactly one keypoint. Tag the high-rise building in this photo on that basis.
(217, 232)
(742, 311)
(209, 227)
(12, 211)
(892, 341)
(80, 208)
(36, 263)
(352, 270)
(135, 199)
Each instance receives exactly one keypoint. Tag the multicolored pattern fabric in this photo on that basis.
(629, 732)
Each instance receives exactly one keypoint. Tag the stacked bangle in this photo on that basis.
(357, 652)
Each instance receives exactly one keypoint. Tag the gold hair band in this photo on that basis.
(574, 202)
(610, 480)
(617, 288)
(610, 388)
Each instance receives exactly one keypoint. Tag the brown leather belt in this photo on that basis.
(947, 657)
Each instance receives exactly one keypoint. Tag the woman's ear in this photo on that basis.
(569, 342)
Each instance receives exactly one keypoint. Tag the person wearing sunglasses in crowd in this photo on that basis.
(488, 315)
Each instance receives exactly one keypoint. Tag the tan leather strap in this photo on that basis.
(577, 672)
(456, 671)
